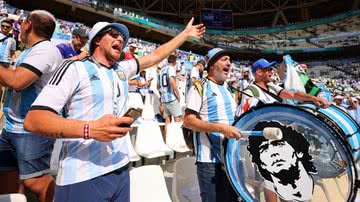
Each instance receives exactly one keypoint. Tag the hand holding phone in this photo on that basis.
(133, 113)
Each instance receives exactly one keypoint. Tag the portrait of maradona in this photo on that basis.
(286, 163)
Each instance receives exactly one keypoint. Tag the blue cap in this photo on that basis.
(261, 64)
(213, 55)
(100, 26)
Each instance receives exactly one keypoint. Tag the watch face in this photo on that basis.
(311, 157)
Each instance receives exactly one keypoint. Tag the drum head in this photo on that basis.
(310, 162)
(342, 122)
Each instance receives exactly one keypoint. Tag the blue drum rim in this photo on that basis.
(350, 142)
(342, 142)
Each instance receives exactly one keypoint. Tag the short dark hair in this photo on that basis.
(7, 21)
(172, 59)
(297, 141)
(43, 23)
(202, 62)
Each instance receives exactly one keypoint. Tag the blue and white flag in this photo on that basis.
(292, 79)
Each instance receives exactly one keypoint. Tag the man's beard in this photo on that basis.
(288, 176)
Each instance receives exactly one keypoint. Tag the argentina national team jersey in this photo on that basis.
(215, 106)
(86, 90)
(166, 91)
(7, 45)
(42, 59)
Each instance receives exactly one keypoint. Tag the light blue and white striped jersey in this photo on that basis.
(8, 44)
(42, 59)
(87, 90)
(215, 106)
(166, 91)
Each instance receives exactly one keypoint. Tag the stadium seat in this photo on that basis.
(132, 154)
(149, 141)
(148, 109)
(12, 198)
(147, 183)
(135, 100)
(185, 186)
(175, 138)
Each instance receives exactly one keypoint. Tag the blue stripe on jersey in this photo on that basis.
(167, 93)
(198, 146)
(71, 147)
(226, 97)
(97, 99)
(10, 123)
(213, 117)
(28, 96)
(97, 92)
(7, 100)
(169, 89)
(3, 53)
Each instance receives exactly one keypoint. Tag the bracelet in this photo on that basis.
(86, 131)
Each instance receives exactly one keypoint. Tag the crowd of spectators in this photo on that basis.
(168, 81)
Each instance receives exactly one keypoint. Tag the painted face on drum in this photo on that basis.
(277, 155)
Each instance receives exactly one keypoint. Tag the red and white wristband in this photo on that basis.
(86, 131)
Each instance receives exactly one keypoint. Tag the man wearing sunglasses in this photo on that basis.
(72, 51)
(7, 44)
(93, 96)
(264, 91)
(20, 150)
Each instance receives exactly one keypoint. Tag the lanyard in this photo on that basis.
(114, 86)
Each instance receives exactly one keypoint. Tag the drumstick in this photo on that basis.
(270, 133)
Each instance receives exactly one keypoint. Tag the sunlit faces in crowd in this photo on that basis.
(265, 74)
(221, 68)
(79, 41)
(6, 27)
(110, 42)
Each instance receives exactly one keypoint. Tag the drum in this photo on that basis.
(312, 162)
(342, 122)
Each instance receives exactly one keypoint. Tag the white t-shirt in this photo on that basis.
(42, 59)
(255, 93)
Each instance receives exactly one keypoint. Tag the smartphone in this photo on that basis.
(133, 113)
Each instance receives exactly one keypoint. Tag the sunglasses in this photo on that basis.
(112, 32)
(267, 70)
(5, 26)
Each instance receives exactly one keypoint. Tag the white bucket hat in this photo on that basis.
(101, 26)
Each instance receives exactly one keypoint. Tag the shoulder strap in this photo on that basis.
(276, 97)
(3, 39)
(272, 88)
(254, 91)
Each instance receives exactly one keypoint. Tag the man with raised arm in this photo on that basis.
(92, 95)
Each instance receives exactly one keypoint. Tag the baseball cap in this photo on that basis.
(214, 54)
(261, 64)
(338, 97)
(100, 26)
(133, 45)
(80, 32)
